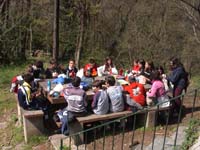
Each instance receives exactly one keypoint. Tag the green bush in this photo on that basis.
(191, 134)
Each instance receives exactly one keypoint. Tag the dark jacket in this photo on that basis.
(178, 77)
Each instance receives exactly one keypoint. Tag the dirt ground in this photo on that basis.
(129, 138)
(119, 140)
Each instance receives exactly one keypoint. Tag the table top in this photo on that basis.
(60, 99)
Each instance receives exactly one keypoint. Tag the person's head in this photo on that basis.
(155, 75)
(141, 63)
(161, 70)
(28, 78)
(131, 79)
(71, 63)
(53, 63)
(92, 62)
(110, 80)
(39, 64)
(174, 63)
(76, 81)
(97, 84)
(149, 65)
(135, 62)
(108, 61)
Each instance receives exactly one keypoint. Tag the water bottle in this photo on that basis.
(48, 85)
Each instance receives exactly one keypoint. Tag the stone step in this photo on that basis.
(55, 141)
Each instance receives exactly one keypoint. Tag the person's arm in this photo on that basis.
(65, 93)
(95, 99)
(84, 99)
(132, 102)
(174, 77)
(114, 70)
(152, 91)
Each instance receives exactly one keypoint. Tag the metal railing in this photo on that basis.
(130, 130)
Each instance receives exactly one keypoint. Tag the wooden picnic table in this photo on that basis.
(60, 99)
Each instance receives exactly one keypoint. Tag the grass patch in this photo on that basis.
(195, 82)
(18, 136)
(191, 134)
(34, 141)
(65, 148)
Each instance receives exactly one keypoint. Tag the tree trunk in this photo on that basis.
(56, 30)
(29, 6)
(80, 38)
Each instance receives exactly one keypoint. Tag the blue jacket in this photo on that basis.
(178, 77)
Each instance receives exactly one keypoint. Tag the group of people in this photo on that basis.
(110, 96)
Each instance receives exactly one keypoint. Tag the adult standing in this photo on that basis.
(178, 78)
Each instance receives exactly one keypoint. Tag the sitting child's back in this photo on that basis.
(115, 95)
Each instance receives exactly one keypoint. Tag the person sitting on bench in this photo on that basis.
(28, 99)
(136, 94)
(114, 94)
(100, 104)
(76, 100)
(157, 93)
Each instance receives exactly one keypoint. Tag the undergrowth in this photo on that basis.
(191, 133)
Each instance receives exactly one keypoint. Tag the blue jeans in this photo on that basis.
(63, 115)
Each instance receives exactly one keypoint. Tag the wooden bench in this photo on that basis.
(78, 125)
(32, 123)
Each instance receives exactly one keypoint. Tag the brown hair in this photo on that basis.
(156, 75)
(98, 83)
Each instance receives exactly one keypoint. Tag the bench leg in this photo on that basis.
(75, 127)
(32, 126)
(19, 115)
(151, 119)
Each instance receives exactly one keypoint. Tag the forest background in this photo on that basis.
(123, 29)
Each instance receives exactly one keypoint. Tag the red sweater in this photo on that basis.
(137, 92)
(92, 71)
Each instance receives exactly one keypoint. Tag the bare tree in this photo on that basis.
(56, 30)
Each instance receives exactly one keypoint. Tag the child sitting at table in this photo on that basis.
(114, 94)
(29, 99)
(100, 104)
(136, 92)
(157, 93)
(53, 69)
(76, 100)
(71, 69)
